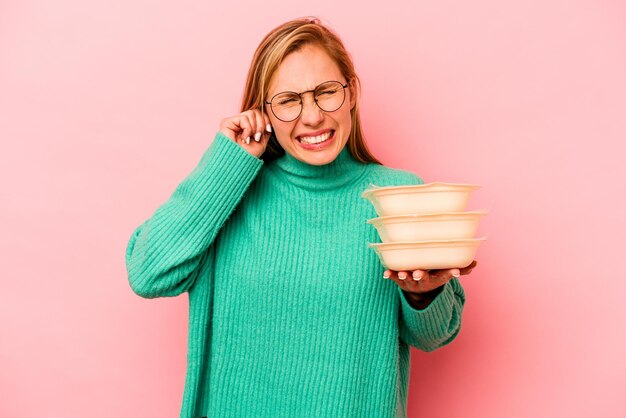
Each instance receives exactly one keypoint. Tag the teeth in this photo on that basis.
(315, 139)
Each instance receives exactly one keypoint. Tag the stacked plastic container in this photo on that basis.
(424, 226)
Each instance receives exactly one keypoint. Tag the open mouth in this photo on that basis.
(317, 139)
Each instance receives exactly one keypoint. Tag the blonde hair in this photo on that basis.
(280, 42)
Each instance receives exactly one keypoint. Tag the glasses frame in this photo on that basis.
(314, 99)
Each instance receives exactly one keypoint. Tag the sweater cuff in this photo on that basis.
(229, 159)
(225, 170)
(428, 322)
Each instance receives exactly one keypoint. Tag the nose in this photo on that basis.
(311, 113)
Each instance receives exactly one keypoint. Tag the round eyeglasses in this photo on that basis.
(328, 96)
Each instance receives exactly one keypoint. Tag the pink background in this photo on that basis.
(106, 106)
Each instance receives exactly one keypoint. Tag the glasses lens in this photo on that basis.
(286, 106)
(329, 96)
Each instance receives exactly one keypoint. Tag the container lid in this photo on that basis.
(410, 245)
(418, 188)
(435, 216)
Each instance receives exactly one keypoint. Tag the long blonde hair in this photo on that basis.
(280, 42)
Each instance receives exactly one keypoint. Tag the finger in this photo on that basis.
(259, 124)
(402, 279)
(254, 122)
(231, 128)
(263, 123)
(393, 276)
(268, 124)
(468, 269)
(410, 284)
(418, 275)
(246, 128)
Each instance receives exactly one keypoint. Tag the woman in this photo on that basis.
(288, 311)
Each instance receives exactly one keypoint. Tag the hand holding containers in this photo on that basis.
(423, 226)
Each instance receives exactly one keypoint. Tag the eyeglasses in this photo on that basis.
(328, 96)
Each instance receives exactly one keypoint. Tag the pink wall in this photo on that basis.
(106, 106)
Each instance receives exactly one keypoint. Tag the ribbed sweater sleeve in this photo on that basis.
(440, 322)
(164, 253)
(436, 325)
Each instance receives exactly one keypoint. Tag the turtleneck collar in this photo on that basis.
(342, 171)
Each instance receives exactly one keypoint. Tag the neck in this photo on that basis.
(341, 171)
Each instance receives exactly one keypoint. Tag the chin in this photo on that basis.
(322, 158)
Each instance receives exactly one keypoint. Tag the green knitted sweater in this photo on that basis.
(289, 314)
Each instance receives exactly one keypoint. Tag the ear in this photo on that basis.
(352, 89)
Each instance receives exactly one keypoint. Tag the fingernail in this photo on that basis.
(456, 273)
(417, 276)
(402, 276)
(386, 275)
(257, 136)
(248, 140)
(268, 128)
